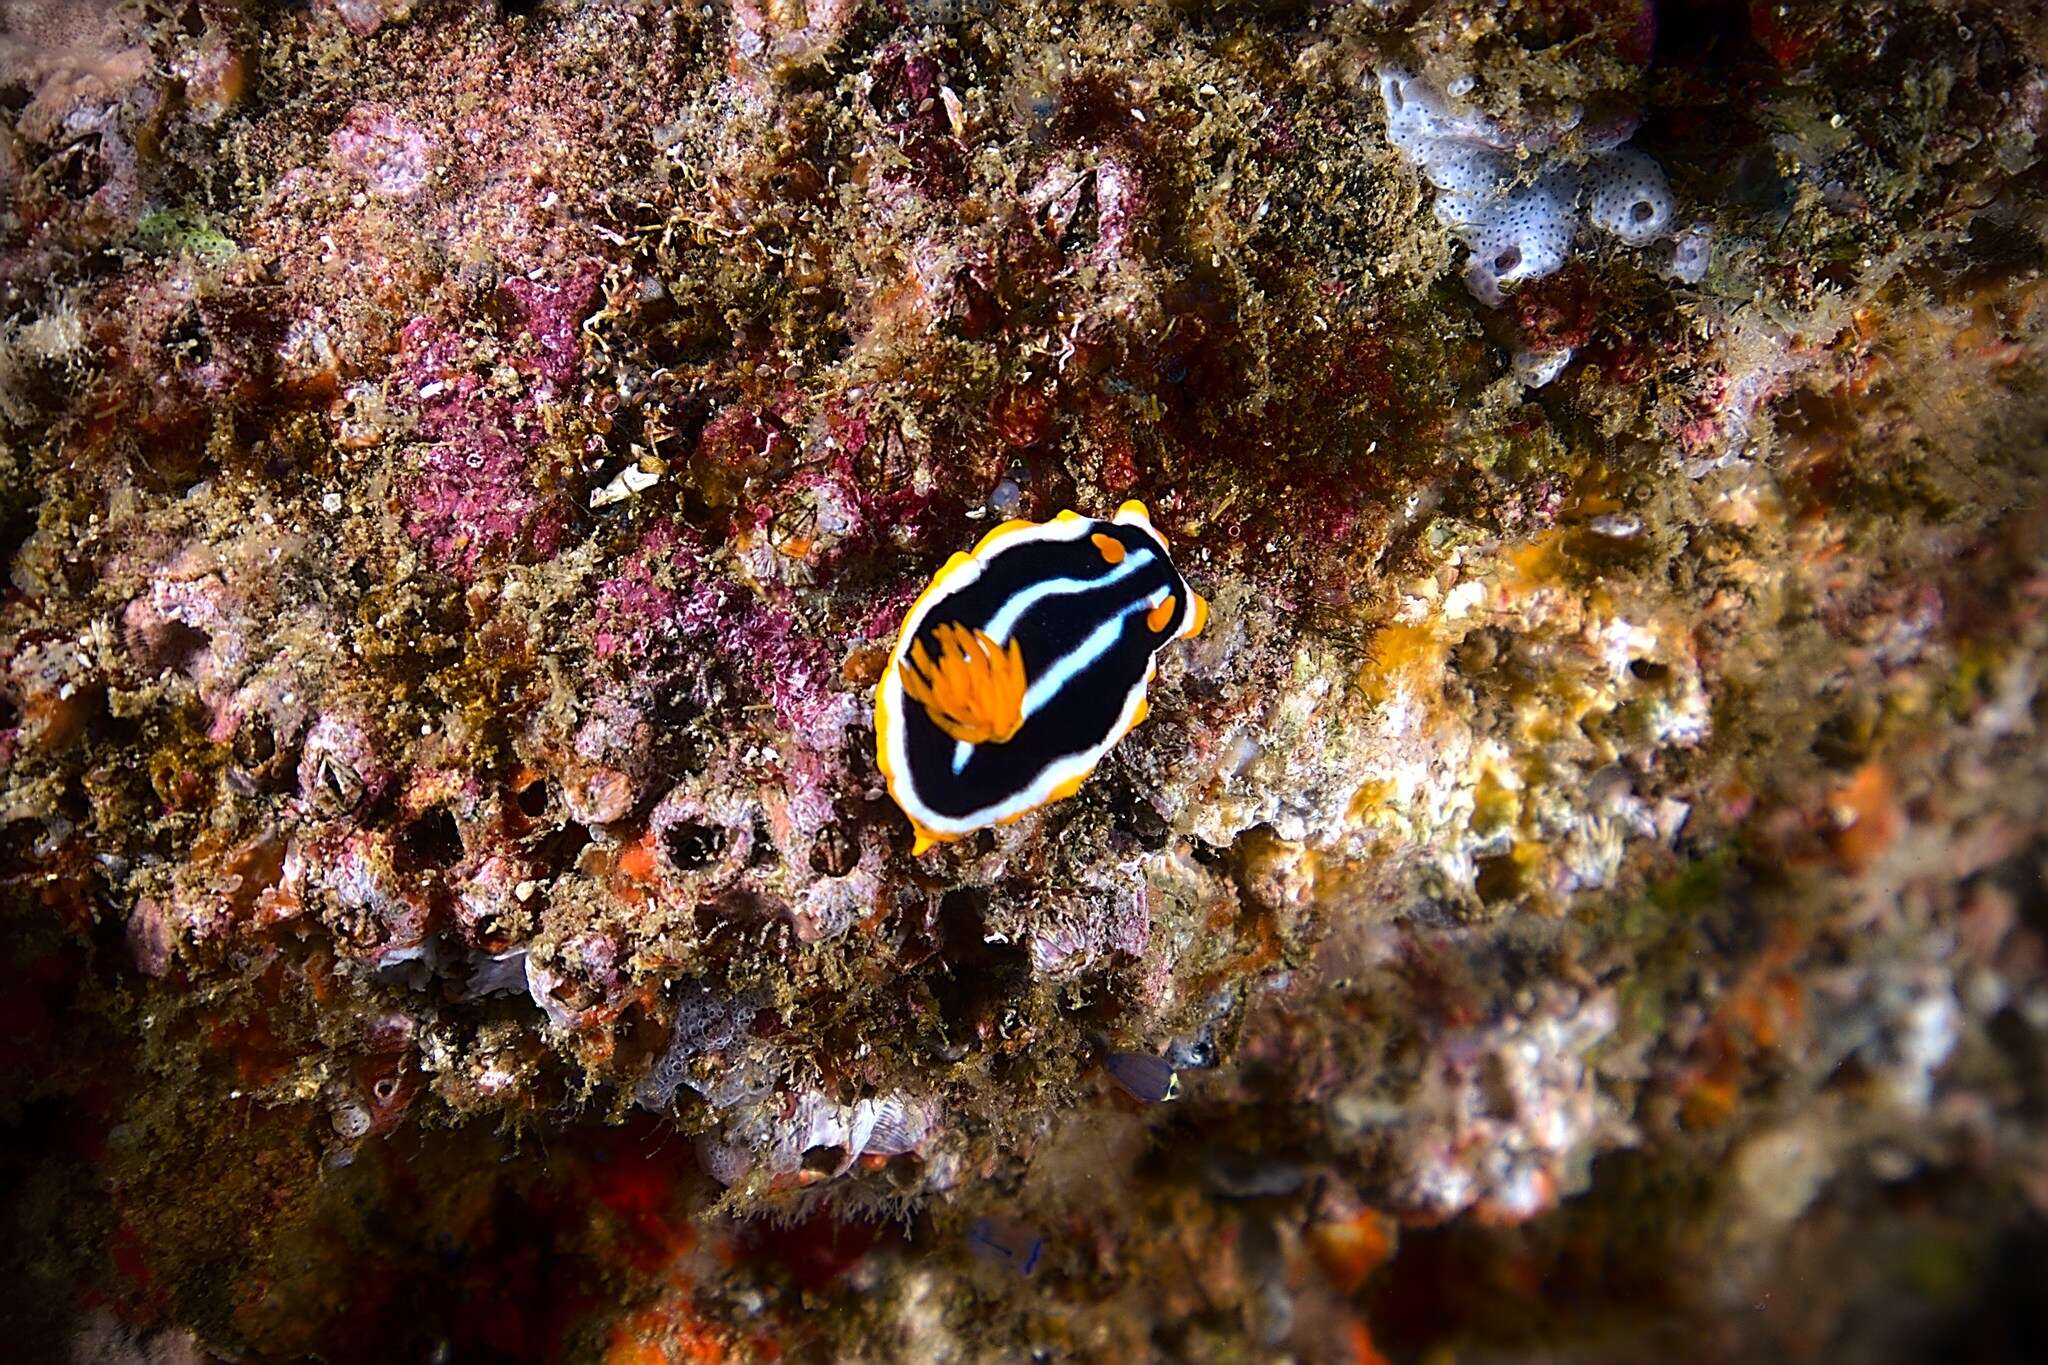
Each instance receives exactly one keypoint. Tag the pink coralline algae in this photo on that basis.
(474, 494)
(1109, 917)
(665, 592)
(777, 38)
(551, 317)
(669, 613)
(391, 155)
(365, 17)
(794, 668)
(1508, 1120)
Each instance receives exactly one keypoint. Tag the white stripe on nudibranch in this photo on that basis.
(1075, 661)
(1003, 622)
(1084, 655)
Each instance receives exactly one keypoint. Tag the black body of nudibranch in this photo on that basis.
(1022, 664)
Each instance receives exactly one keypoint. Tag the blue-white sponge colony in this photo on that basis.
(1630, 196)
(1524, 234)
(1512, 202)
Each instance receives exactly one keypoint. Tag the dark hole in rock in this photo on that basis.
(824, 1160)
(1208, 854)
(1649, 670)
(962, 931)
(385, 1089)
(709, 915)
(1844, 739)
(178, 645)
(1734, 928)
(18, 847)
(2010, 1034)
(80, 173)
(17, 524)
(816, 1252)
(1089, 108)
(1495, 1089)
(10, 712)
(1709, 37)
(431, 840)
(382, 807)
(1851, 1074)
(973, 976)
(691, 845)
(73, 803)
(254, 745)
(189, 341)
(897, 833)
(907, 927)
(836, 853)
(1477, 653)
(1143, 824)
(560, 848)
(1246, 1175)
(763, 852)
(532, 799)
(1097, 1007)
(1499, 878)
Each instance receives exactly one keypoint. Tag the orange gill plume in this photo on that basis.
(974, 691)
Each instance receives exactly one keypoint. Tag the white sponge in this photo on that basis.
(1524, 235)
(1631, 198)
(1518, 216)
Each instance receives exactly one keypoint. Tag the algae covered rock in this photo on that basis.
(463, 469)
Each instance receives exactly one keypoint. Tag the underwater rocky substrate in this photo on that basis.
(463, 470)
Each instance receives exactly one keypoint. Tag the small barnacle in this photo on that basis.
(1022, 664)
(1536, 368)
(350, 1118)
(337, 787)
(337, 766)
(1691, 254)
(892, 1127)
(1198, 1055)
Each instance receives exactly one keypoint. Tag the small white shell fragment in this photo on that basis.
(1537, 368)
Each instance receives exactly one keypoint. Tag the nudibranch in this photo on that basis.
(1022, 664)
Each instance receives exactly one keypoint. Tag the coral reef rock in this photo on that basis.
(463, 468)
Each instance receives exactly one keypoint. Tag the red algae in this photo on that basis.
(474, 495)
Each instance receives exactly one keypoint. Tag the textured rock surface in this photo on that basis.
(461, 468)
